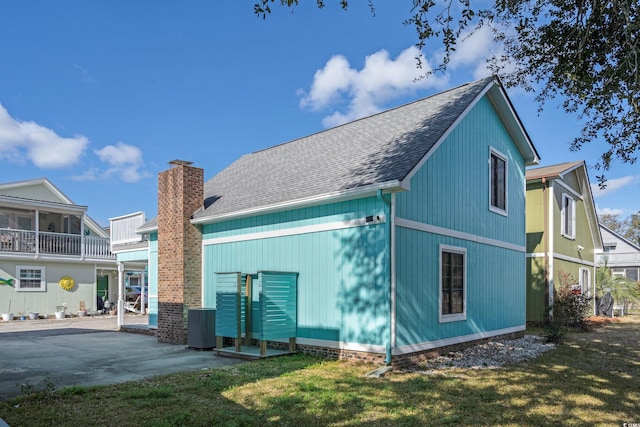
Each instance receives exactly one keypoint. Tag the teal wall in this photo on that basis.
(139, 255)
(451, 191)
(343, 282)
(495, 288)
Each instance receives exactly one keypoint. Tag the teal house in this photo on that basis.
(384, 239)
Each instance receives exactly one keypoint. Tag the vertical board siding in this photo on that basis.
(535, 218)
(536, 289)
(342, 211)
(343, 282)
(495, 288)
(451, 190)
(583, 236)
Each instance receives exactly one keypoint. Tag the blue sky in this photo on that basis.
(98, 97)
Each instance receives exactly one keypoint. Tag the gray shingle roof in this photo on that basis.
(377, 149)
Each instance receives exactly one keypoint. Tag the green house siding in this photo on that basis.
(45, 302)
(495, 288)
(536, 289)
(343, 281)
(583, 237)
(535, 218)
(567, 258)
(452, 189)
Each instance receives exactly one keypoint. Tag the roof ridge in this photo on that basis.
(406, 104)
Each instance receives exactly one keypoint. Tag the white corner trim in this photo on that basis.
(406, 349)
(330, 226)
(428, 228)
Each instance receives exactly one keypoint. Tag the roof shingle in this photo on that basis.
(377, 149)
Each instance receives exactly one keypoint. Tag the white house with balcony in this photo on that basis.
(45, 237)
(619, 254)
(131, 246)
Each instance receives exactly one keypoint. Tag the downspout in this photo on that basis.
(546, 242)
(551, 240)
(389, 249)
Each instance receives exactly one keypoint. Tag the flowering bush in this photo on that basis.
(67, 283)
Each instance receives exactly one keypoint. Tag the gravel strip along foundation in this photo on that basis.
(490, 355)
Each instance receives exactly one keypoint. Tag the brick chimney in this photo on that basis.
(180, 193)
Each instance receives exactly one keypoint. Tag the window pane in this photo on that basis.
(498, 182)
(30, 278)
(452, 283)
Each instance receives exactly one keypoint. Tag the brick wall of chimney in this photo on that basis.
(180, 193)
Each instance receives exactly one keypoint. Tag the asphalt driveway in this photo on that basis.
(88, 351)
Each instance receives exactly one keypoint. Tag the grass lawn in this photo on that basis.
(593, 378)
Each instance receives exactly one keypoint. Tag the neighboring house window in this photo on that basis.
(585, 281)
(30, 279)
(632, 274)
(4, 220)
(619, 273)
(568, 217)
(498, 182)
(453, 283)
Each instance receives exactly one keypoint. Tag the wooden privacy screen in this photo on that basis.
(276, 309)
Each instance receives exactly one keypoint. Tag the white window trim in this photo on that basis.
(43, 281)
(585, 288)
(443, 318)
(505, 211)
(563, 214)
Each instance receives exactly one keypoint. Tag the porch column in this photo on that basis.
(120, 294)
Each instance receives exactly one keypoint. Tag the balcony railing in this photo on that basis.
(74, 245)
(621, 259)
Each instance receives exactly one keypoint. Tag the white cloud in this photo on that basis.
(28, 141)
(352, 93)
(365, 91)
(613, 185)
(608, 211)
(124, 160)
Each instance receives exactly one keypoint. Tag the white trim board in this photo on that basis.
(570, 190)
(295, 231)
(406, 182)
(428, 228)
(562, 257)
(408, 349)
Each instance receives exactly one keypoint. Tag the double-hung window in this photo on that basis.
(498, 182)
(568, 216)
(30, 279)
(453, 283)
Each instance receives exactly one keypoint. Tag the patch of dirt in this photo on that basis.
(599, 320)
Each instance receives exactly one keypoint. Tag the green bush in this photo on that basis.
(570, 310)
